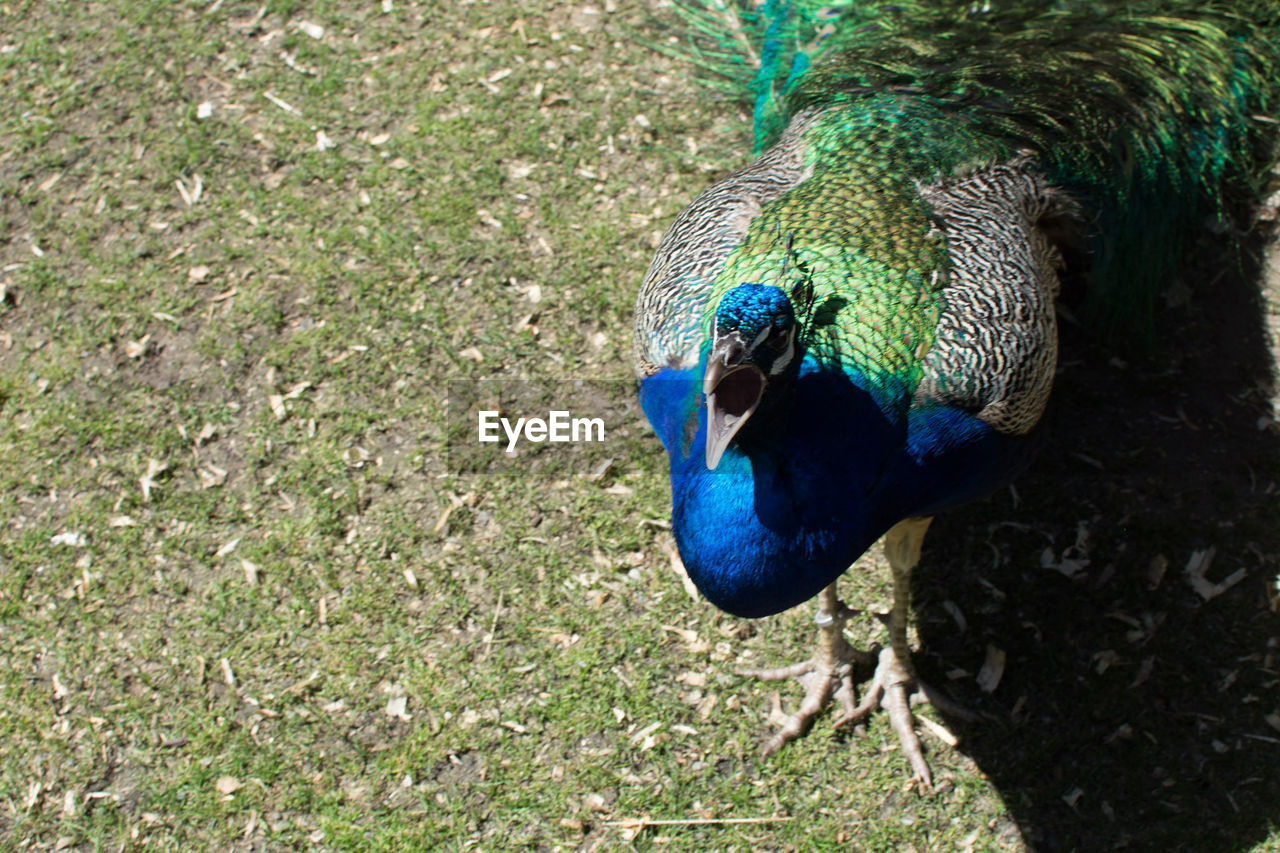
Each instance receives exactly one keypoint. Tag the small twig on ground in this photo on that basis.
(642, 822)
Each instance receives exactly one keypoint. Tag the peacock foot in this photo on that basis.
(823, 680)
(828, 675)
(895, 689)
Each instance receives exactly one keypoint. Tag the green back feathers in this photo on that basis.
(758, 52)
(1142, 111)
(859, 241)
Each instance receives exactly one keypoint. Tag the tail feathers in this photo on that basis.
(1144, 111)
(758, 52)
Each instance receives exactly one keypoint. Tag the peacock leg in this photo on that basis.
(895, 687)
(828, 674)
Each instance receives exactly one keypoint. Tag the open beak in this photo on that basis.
(733, 392)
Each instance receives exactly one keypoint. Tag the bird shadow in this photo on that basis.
(1130, 585)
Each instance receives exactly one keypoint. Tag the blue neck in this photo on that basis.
(790, 506)
(809, 486)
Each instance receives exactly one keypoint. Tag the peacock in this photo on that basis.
(858, 331)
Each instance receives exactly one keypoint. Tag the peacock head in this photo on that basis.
(753, 342)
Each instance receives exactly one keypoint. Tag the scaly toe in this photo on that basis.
(820, 684)
(894, 689)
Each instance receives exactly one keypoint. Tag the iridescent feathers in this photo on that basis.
(860, 326)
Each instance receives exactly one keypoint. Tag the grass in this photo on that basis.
(245, 603)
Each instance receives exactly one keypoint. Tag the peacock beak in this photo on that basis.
(733, 390)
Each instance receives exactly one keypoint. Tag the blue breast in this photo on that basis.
(811, 482)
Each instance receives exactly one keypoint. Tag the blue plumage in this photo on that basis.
(857, 331)
(811, 482)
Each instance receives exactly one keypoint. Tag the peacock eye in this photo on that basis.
(788, 352)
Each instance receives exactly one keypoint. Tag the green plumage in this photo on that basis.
(1126, 106)
(858, 331)
(876, 237)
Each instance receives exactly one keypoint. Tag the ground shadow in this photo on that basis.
(1133, 708)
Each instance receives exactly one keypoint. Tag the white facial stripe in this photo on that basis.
(781, 362)
(764, 333)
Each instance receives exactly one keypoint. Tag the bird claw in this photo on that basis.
(896, 690)
(829, 674)
(826, 676)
